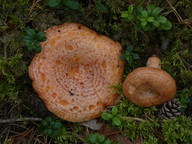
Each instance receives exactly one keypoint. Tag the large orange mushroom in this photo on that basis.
(149, 86)
(74, 70)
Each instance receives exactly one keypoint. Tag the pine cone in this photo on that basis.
(171, 109)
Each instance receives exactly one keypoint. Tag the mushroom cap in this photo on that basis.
(74, 70)
(148, 86)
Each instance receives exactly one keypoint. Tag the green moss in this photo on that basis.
(115, 6)
(184, 8)
(177, 130)
(12, 66)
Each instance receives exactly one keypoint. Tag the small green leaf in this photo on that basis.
(109, 115)
(30, 47)
(101, 6)
(116, 121)
(41, 36)
(156, 11)
(139, 9)
(44, 123)
(150, 19)
(52, 123)
(57, 125)
(150, 8)
(161, 19)
(140, 18)
(55, 133)
(130, 48)
(72, 4)
(166, 26)
(37, 47)
(49, 119)
(123, 57)
(156, 23)
(27, 42)
(100, 138)
(144, 23)
(114, 110)
(54, 3)
(106, 116)
(49, 131)
(45, 132)
(148, 27)
(107, 142)
(144, 13)
(124, 14)
(135, 56)
(30, 32)
(130, 9)
(127, 15)
(130, 60)
(26, 38)
(93, 138)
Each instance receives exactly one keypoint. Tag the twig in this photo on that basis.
(20, 119)
(20, 136)
(35, 2)
(134, 118)
(186, 21)
(39, 141)
(188, 64)
(18, 125)
(6, 131)
(175, 12)
(115, 132)
(148, 118)
(5, 50)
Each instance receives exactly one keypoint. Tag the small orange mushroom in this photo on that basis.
(149, 86)
(74, 70)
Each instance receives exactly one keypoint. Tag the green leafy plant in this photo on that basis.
(128, 15)
(66, 4)
(32, 39)
(128, 55)
(98, 139)
(114, 117)
(146, 19)
(51, 127)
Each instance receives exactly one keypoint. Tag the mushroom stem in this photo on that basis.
(154, 62)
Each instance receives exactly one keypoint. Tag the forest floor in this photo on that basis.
(143, 28)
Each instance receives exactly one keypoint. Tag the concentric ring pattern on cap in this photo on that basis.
(74, 70)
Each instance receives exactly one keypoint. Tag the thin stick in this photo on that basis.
(188, 64)
(5, 50)
(39, 141)
(175, 12)
(148, 118)
(134, 118)
(35, 2)
(20, 119)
